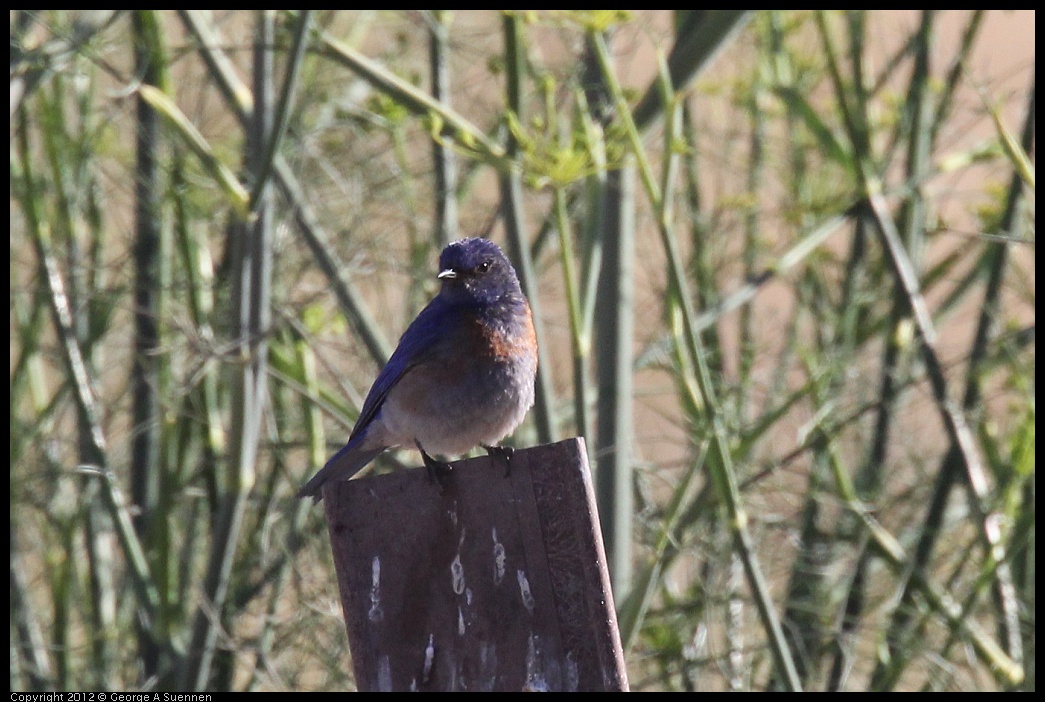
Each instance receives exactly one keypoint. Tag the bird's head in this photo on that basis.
(476, 270)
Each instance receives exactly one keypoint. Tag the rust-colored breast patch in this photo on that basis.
(494, 341)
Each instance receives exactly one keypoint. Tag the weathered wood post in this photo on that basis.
(495, 582)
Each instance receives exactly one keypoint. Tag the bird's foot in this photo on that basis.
(439, 472)
(505, 453)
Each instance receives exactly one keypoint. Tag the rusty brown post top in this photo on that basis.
(496, 582)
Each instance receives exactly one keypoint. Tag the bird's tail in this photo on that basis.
(345, 463)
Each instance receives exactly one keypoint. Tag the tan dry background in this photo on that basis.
(393, 284)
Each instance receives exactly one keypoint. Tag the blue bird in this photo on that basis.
(462, 375)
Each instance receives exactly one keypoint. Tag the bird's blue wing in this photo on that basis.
(425, 337)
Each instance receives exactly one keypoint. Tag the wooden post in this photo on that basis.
(494, 582)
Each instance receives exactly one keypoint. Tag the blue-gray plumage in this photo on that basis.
(462, 375)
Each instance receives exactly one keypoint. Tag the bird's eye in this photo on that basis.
(484, 266)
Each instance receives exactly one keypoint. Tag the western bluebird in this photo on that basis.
(462, 375)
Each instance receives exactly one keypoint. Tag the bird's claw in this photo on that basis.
(505, 453)
(439, 472)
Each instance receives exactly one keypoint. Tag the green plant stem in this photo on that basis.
(580, 344)
(514, 221)
(251, 311)
(445, 161)
(317, 239)
(149, 299)
(720, 465)
(448, 121)
(282, 115)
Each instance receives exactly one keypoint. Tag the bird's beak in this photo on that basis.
(448, 273)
